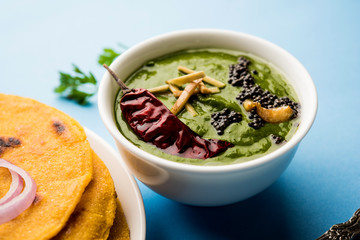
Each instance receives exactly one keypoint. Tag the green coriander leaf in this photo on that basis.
(108, 55)
(79, 86)
(76, 69)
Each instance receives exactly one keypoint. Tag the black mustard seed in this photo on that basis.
(239, 76)
(221, 120)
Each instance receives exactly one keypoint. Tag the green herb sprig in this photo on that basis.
(108, 55)
(80, 86)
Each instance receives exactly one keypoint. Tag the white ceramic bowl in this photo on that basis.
(126, 187)
(207, 185)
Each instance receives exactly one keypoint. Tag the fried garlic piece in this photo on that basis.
(179, 81)
(206, 79)
(191, 109)
(158, 89)
(177, 92)
(206, 90)
(185, 95)
(272, 115)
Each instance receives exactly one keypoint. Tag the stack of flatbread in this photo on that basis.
(75, 196)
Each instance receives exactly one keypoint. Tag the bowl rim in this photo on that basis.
(110, 124)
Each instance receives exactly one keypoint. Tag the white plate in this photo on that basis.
(125, 185)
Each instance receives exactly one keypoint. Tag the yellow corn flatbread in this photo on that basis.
(120, 229)
(94, 215)
(5, 181)
(53, 149)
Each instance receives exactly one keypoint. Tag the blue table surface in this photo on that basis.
(320, 187)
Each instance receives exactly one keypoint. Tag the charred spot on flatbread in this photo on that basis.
(37, 198)
(14, 142)
(3, 142)
(59, 127)
(8, 142)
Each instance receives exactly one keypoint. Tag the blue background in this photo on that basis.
(320, 187)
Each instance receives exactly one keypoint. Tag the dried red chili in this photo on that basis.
(153, 122)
